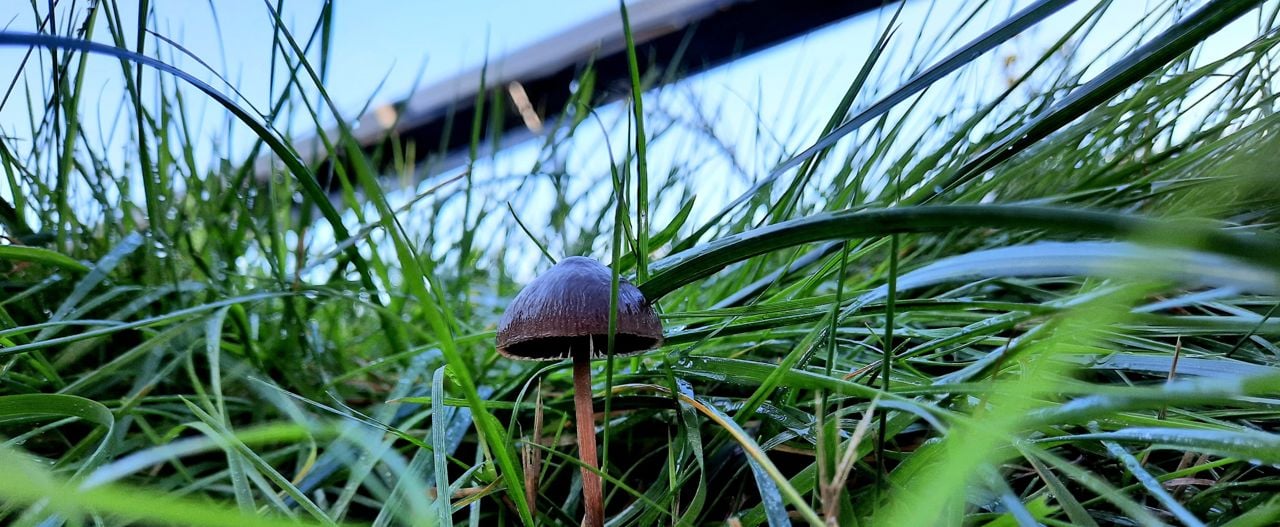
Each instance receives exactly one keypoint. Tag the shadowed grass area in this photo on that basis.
(1023, 271)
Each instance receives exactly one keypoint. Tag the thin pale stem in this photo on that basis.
(592, 488)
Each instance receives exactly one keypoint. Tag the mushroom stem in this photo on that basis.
(592, 488)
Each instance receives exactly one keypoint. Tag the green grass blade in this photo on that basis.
(36, 485)
(642, 154)
(42, 256)
(679, 269)
(1257, 447)
(1180, 38)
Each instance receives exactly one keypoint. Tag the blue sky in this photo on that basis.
(390, 42)
(392, 39)
(758, 108)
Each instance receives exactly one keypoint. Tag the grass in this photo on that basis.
(952, 302)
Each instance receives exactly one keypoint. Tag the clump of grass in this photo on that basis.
(1051, 305)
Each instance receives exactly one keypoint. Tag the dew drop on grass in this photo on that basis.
(715, 376)
(684, 386)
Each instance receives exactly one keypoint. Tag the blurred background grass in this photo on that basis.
(1031, 284)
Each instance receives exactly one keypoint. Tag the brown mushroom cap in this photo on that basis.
(567, 307)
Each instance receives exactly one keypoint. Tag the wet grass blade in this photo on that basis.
(683, 268)
(1256, 447)
(42, 256)
(1180, 38)
(36, 485)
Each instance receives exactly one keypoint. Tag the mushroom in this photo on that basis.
(564, 313)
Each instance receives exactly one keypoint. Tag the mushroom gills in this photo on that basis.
(556, 348)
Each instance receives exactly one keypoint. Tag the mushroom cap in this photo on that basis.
(567, 307)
